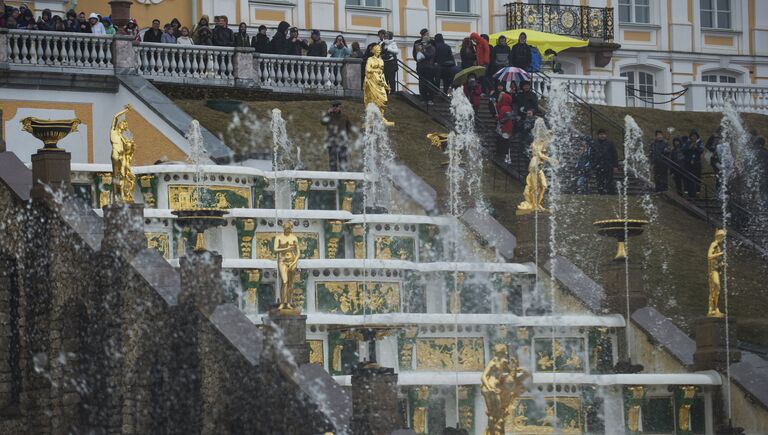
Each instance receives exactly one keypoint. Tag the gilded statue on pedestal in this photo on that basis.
(375, 86)
(123, 148)
(286, 248)
(714, 263)
(536, 181)
(501, 383)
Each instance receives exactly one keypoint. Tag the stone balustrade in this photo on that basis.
(169, 63)
(605, 91)
(182, 63)
(711, 97)
(58, 50)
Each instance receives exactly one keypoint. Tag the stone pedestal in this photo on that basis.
(374, 401)
(614, 275)
(201, 283)
(527, 233)
(294, 329)
(50, 168)
(711, 344)
(124, 229)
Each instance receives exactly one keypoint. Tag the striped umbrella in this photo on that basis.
(511, 73)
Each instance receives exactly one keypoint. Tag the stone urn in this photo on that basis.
(49, 131)
(121, 12)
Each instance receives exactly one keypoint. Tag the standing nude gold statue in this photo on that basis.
(501, 382)
(714, 263)
(536, 181)
(375, 86)
(123, 148)
(287, 249)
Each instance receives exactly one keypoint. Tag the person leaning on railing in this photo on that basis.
(185, 39)
(223, 35)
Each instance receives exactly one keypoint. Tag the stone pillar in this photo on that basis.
(124, 55)
(201, 284)
(374, 401)
(614, 274)
(4, 51)
(351, 77)
(50, 168)
(244, 69)
(124, 229)
(294, 334)
(711, 344)
(527, 233)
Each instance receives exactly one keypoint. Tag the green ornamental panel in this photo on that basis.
(350, 198)
(414, 292)
(251, 279)
(352, 297)
(258, 191)
(430, 244)
(246, 228)
(600, 351)
(308, 243)
(342, 352)
(563, 354)
(406, 345)
(83, 191)
(466, 407)
(148, 186)
(658, 415)
(103, 188)
(689, 421)
(394, 248)
(322, 200)
(182, 240)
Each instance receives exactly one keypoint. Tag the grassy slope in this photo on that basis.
(674, 248)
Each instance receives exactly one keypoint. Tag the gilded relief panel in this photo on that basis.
(352, 297)
(525, 416)
(186, 196)
(159, 241)
(440, 354)
(560, 355)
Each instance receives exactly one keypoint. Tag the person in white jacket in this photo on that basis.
(96, 27)
(389, 54)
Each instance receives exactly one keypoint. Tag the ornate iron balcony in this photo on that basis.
(577, 21)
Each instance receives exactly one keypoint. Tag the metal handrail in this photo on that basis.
(414, 74)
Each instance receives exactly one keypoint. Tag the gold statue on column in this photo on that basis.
(287, 249)
(714, 263)
(501, 383)
(536, 181)
(123, 148)
(375, 86)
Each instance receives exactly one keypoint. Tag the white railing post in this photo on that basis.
(616, 92)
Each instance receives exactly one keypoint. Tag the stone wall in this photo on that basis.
(104, 340)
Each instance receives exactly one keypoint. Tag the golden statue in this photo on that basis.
(501, 383)
(634, 412)
(536, 181)
(123, 148)
(714, 263)
(375, 86)
(684, 414)
(287, 250)
(438, 140)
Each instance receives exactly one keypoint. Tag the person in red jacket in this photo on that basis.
(482, 50)
(483, 55)
(473, 92)
(504, 112)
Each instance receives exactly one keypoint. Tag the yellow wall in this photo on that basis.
(145, 13)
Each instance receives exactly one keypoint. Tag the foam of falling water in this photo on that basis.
(464, 134)
(559, 147)
(197, 150)
(282, 148)
(247, 129)
(378, 160)
(636, 162)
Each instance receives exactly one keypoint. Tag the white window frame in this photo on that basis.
(452, 7)
(720, 74)
(634, 82)
(364, 4)
(633, 11)
(714, 12)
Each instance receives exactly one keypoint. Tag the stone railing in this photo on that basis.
(605, 91)
(59, 50)
(180, 63)
(298, 73)
(711, 97)
(171, 63)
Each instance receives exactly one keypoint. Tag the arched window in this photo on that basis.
(640, 88)
(721, 76)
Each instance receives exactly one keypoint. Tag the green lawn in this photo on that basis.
(674, 247)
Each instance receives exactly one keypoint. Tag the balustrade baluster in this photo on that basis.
(78, 50)
(196, 64)
(151, 52)
(173, 54)
(279, 72)
(93, 55)
(107, 53)
(185, 67)
(15, 56)
(97, 48)
(56, 52)
(24, 49)
(209, 64)
(45, 50)
(33, 50)
(230, 67)
(337, 75)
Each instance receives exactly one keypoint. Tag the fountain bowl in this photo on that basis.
(50, 131)
(621, 230)
(200, 219)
